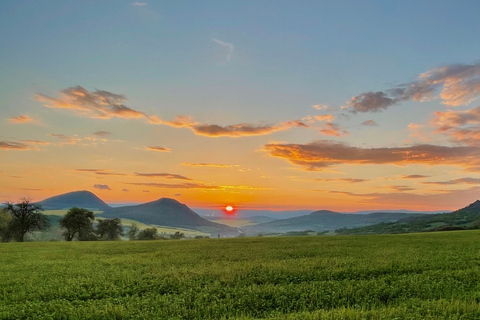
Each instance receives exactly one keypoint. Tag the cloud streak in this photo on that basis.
(457, 84)
(211, 165)
(197, 185)
(321, 154)
(229, 46)
(159, 149)
(163, 175)
(10, 145)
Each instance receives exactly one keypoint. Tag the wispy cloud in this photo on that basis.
(36, 142)
(101, 104)
(101, 172)
(102, 186)
(414, 176)
(457, 84)
(321, 154)
(139, 4)
(455, 181)
(195, 185)
(10, 145)
(440, 199)
(333, 129)
(159, 149)
(163, 175)
(229, 46)
(102, 133)
(348, 180)
(211, 165)
(22, 119)
(67, 139)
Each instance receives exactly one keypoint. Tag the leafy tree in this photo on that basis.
(147, 234)
(110, 229)
(26, 217)
(4, 221)
(132, 232)
(177, 235)
(78, 222)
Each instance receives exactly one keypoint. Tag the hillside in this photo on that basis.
(462, 219)
(324, 220)
(81, 199)
(169, 212)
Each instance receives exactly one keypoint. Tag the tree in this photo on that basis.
(26, 217)
(132, 232)
(177, 235)
(78, 222)
(4, 221)
(147, 234)
(110, 229)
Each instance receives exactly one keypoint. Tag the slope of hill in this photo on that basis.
(325, 220)
(169, 212)
(82, 199)
(465, 218)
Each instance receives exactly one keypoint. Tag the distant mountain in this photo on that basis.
(324, 220)
(462, 219)
(83, 199)
(169, 212)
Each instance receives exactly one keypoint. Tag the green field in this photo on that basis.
(410, 276)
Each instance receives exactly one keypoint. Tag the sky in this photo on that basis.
(339, 105)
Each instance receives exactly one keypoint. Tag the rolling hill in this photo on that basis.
(324, 220)
(462, 219)
(82, 199)
(169, 212)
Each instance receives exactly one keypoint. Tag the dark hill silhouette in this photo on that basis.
(168, 212)
(462, 219)
(83, 199)
(324, 220)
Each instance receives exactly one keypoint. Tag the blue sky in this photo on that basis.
(234, 63)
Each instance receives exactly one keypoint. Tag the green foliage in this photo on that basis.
(412, 276)
(177, 235)
(132, 231)
(110, 229)
(78, 222)
(25, 217)
(147, 234)
(4, 221)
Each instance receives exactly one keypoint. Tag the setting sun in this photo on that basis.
(229, 208)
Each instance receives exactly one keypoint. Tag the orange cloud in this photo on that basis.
(320, 154)
(21, 119)
(325, 117)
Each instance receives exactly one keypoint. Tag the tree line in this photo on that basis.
(16, 220)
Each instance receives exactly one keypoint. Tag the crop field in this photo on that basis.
(411, 276)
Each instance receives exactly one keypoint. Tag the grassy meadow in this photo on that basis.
(409, 276)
